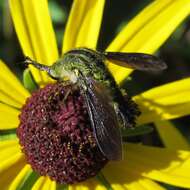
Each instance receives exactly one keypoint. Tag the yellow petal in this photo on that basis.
(183, 169)
(53, 185)
(163, 113)
(11, 90)
(8, 117)
(124, 179)
(26, 170)
(169, 94)
(35, 32)
(7, 176)
(44, 183)
(7, 149)
(39, 183)
(47, 184)
(10, 161)
(148, 31)
(143, 184)
(84, 24)
(171, 136)
(87, 185)
(164, 102)
(137, 24)
(9, 144)
(161, 164)
(149, 184)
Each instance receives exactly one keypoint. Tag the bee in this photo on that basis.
(103, 98)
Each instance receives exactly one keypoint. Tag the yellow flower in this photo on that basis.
(145, 33)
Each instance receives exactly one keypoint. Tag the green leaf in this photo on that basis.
(62, 187)
(7, 134)
(101, 178)
(28, 181)
(58, 13)
(140, 130)
(28, 81)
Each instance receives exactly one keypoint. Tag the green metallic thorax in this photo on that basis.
(85, 61)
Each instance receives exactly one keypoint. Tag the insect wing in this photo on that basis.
(104, 121)
(139, 61)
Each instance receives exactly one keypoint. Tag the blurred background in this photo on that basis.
(175, 52)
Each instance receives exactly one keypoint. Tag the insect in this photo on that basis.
(105, 103)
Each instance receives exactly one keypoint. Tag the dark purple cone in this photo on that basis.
(56, 135)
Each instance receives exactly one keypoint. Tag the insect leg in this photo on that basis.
(39, 66)
(73, 86)
(120, 116)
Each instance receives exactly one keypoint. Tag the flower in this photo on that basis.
(56, 136)
(145, 33)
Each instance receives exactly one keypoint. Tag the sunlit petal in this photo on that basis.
(8, 175)
(169, 94)
(161, 164)
(148, 34)
(12, 160)
(44, 183)
(164, 102)
(11, 90)
(7, 149)
(5, 164)
(171, 136)
(9, 117)
(52, 185)
(88, 184)
(47, 184)
(84, 24)
(158, 113)
(129, 181)
(150, 185)
(35, 32)
(39, 183)
(143, 184)
(26, 170)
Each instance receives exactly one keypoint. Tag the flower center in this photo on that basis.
(56, 135)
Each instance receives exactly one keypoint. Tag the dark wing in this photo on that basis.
(104, 120)
(139, 61)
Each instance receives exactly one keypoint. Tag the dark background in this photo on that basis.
(175, 52)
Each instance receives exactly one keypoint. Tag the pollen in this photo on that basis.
(56, 135)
